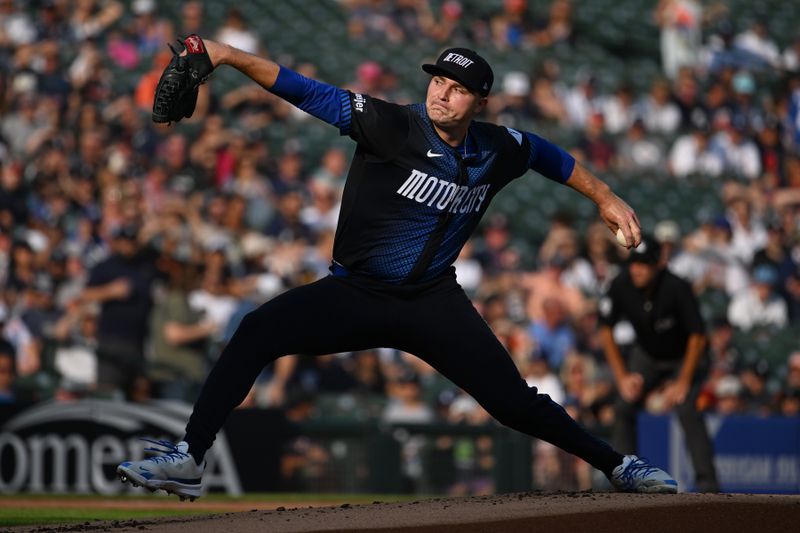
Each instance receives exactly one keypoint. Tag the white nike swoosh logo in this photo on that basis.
(431, 154)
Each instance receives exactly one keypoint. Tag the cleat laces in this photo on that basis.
(638, 468)
(170, 451)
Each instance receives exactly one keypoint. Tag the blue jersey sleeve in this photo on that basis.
(319, 99)
(549, 160)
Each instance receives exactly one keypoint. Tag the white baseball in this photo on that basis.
(621, 238)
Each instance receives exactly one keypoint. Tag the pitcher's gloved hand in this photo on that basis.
(176, 93)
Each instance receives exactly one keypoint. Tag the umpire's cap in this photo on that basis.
(648, 251)
(466, 67)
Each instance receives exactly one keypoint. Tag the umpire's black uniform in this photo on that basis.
(663, 314)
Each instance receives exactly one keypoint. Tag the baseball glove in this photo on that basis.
(176, 93)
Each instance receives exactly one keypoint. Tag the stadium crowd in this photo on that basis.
(129, 251)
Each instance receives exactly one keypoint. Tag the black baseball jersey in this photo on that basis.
(411, 200)
(663, 316)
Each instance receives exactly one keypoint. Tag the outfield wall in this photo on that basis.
(73, 447)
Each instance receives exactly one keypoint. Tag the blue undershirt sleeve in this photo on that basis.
(319, 99)
(549, 160)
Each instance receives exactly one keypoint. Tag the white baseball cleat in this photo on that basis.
(637, 475)
(174, 470)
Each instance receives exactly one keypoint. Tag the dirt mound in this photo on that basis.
(551, 512)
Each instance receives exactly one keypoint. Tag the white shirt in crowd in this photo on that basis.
(747, 310)
(687, 157)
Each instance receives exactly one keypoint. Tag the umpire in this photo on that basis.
(670, 351)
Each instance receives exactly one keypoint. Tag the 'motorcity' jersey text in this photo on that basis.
(411, 200)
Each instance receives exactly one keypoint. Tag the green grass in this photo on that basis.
(15, 515)
(56, 515)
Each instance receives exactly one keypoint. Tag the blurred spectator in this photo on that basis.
(759, 305)
(469, 271)
(14, 194)
(495, 245)
(8, 373)
(235, 32)
(725, 357)
(333, 168)
(121, 285)
(791, 56)
(513, 27)
(777, 254)
(553, 334)
(657, 110)
(756, 399)
(790, 403)
(122, 50)
(146, 88)
(410, 17)
(193, 18)
(729, 396)
(27, 126)
(719, 104)
(368, 373)
(287, 225)
(739, 153)
(681, 23)
(687, 96)
(693, 153)
(16, 26)
(369, 80)
(517, 110)
(546, 98)
(618, 110)
(793, 370)
(603, 255)
(75, 358)
(547, 284)
(667, 233)
(558, 28)
(180, 335)
(371, 20)
(406, 406)
(722, 52)
(582, 101)
(721, 268)
(538, 373)
(449, 26)
(40, 312)
(26, 347)
(51, 82)
(90, 18)
(748, 231)
(561, 244)
(745, 113)
(211, 299)
(756, 40)
(405, 402)
(637, 152)
(594, 148)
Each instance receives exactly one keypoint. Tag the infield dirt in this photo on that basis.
(595, 512)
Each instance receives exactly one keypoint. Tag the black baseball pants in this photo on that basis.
(434, 321)
(655, 372)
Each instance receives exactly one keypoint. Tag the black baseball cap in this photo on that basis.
(466, 67)
(648, 251)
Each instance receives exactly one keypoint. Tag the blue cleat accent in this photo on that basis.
(637, 475)
(174, 470)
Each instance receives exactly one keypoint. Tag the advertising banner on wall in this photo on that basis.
(752, 454)
(74, 447)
